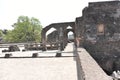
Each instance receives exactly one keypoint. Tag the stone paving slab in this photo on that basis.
(56, 68)
(69, 47)
(38, 69)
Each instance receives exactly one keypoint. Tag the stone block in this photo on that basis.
(8, 55)
(35, 55)
(58, 54)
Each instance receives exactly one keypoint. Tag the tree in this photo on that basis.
(1, 33)
(4, 31)
(25, 30)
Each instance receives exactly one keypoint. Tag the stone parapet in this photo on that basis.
(90, 68)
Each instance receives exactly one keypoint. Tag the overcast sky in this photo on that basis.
(47, 11)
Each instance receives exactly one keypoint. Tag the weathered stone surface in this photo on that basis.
(12, 48)
(29, 47)
(59, 36)
(35, 55)
(8, 55)
(99, 29)
(62, 68)
(91, 70)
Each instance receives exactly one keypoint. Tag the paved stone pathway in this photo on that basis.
(56, 68)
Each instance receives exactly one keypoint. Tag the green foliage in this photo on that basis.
(1, 33)
(25, 30)
(8, 36)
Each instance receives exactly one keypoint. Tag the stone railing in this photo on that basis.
(88, 69)
(6, 45)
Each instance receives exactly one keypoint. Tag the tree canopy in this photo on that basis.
(25, 30)
(1, 33)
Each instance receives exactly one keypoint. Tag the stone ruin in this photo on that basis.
(11, 48)
(29, 47)
(99, 32)
(59, 36)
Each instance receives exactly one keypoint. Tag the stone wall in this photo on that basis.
(89, 67)
(99, 29)
(59, 36)
(100, 14)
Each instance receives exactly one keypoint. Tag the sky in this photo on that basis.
(47, 11)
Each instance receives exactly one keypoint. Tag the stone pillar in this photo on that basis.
(65, 38)
(61, 38)
(75, 33)
(44, 48)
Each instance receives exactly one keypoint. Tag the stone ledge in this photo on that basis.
(92, 71)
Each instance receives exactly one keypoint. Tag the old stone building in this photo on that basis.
(99, 29)
(100, 19)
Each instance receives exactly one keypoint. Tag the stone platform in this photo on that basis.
(45, 68)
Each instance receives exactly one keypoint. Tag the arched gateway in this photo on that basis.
(58, 36)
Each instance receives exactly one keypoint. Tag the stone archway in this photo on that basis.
(61, 29)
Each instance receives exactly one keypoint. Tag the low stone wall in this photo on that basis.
(91, 70)
(6, 45)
